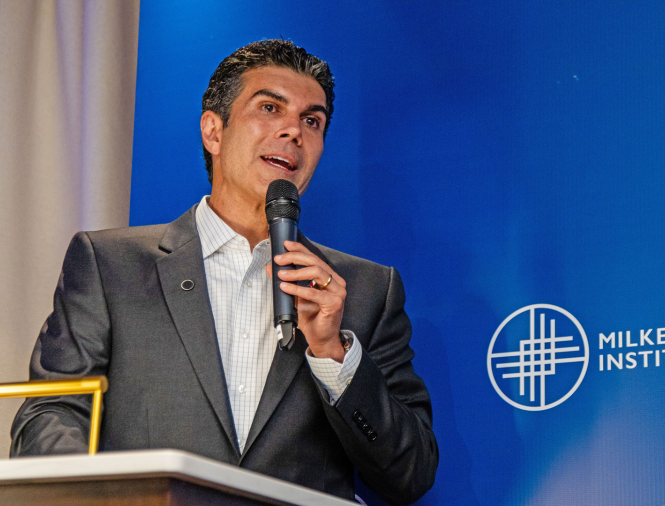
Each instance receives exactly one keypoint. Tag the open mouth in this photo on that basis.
(277, 161)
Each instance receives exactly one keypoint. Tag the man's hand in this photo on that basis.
(319, 311)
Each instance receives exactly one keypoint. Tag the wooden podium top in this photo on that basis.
(161, 463)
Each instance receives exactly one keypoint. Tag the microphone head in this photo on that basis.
(281, 188)
(282, 201)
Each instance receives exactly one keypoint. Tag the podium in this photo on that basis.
(145, 478)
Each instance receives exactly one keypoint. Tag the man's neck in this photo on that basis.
(245, 218)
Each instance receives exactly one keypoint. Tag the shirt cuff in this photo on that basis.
(335, 377)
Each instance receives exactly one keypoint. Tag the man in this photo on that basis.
(179, 316)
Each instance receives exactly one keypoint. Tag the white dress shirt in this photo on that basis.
(240, 294)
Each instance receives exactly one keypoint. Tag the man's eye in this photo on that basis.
(312, 121)
(269, 107)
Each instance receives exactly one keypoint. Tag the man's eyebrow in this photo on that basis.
(317, 108)
(276, 96)
(271, 94)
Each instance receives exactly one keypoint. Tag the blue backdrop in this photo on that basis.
(499, 154)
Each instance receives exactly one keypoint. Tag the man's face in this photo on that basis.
(275, 131)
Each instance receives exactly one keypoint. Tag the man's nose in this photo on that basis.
(291, 129)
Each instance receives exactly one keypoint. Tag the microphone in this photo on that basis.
(283, 213)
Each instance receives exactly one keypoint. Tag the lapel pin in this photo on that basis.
(187, 285)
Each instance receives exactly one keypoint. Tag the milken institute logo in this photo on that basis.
(546, 368)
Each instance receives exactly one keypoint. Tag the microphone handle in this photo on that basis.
(285, 312)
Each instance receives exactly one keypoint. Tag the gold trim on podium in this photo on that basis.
(95, 385)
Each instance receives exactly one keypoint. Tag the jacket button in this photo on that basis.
(367, 430)
(363, 426)
(187, 285)
(357, 417)
(371, 435)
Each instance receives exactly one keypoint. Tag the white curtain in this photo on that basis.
(67, 83)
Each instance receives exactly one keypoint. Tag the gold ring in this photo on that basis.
(314, 284)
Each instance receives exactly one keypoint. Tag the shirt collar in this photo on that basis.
(215, 233)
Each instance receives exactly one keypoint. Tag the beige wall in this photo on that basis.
(67, 83)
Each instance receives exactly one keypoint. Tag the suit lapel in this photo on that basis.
(191, 313)
(285, 366)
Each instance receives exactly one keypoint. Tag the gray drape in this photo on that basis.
(67, 83)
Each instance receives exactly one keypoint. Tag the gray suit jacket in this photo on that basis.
(119, 311)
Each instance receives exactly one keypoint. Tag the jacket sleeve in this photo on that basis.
(74, 342)
(384, 417)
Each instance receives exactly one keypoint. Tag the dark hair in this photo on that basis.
(226, 82)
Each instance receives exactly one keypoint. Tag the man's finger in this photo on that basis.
(298, 258)
(298, 254)
(295, 246)
(323, 298)
(320, 277)
(306, 273)
(319, 272)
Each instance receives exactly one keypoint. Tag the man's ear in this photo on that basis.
(211, 132)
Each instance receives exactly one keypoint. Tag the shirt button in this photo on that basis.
(348, 382)
(245, 335)
(249, 284)
(242, 389)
